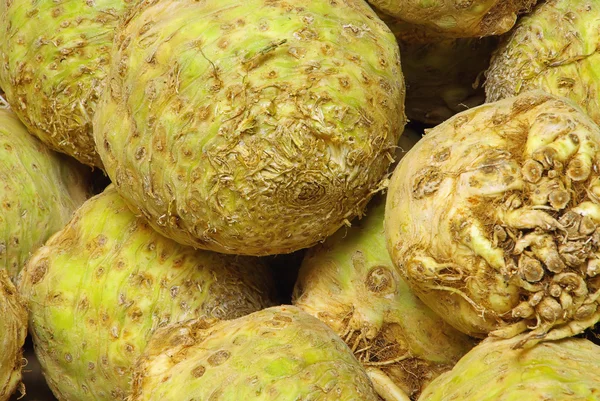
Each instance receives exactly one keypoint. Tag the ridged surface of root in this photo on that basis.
(494, 219)
(349, 282)
(13, 330)
(100, 287)
(280, 353)
(53, 59)
(261, 128)
(555, 48)
(565, 370)
(39, 191)
(457, 18)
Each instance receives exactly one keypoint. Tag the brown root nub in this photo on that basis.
(532, 171)
(531, 269)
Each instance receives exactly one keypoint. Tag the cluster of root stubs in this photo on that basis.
(553, 250)
(493, 218)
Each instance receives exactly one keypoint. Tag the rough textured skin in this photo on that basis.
(555, 48)
(280, 353)
(457, 18)
(99, 288)
(493, 218)
(39, 191)
(13, 330)
(350, 283)
(565, 370)
(260, 128)
(53, 57)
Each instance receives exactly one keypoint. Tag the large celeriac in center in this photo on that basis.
(250, 127)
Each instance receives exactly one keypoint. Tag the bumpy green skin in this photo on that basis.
(280, 353)
(443, 76)
(555, 48)
(53, 57)
(13, 330)
(99, 288)
(565, 370)
(457, 18)
(494, 218)
(350, 283)
(39, 191)
(260, 128)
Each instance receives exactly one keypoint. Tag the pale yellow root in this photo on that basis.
(385, 387)
(3, 103)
